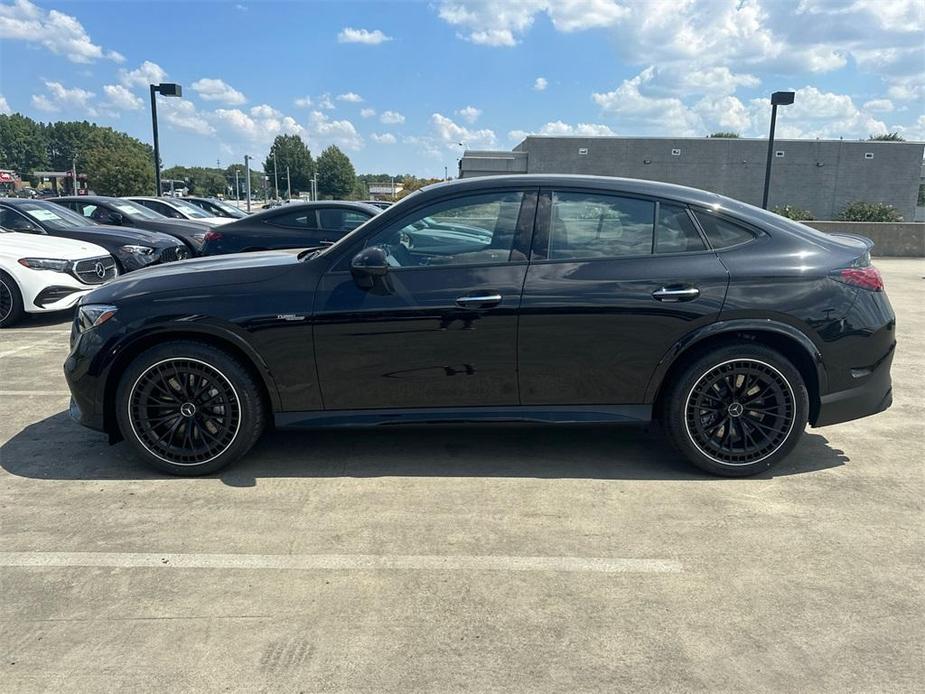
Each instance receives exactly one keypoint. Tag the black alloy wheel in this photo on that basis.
(735, 410)
(11, 308)
(740, 412)
(189, 408)
(184, 411)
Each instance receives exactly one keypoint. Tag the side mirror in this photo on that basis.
(369, 264)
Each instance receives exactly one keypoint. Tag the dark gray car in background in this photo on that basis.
(125, 213)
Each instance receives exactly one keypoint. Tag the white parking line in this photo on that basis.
(335, 562)
(34, 392)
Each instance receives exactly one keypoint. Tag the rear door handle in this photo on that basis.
(672, 295)
(479, 301)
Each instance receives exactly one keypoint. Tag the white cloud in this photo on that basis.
(649, 114)
(145, 74)
(304, 102)
(540, 84)
(350, 97)
(879, 105)
(324, 101)
(60, 33)
(503, 22)
(383, 139)
(265, 111)
(184, 115)
(121, 98)
(370, 38)
(4, 106)
(451, 134)
(560, 128)
(259, 125)
(214, 89)
(470, 114)
(367, 112)
(334, 132)
(391, 118)
(59, 97)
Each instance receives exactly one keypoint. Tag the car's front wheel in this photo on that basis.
(11, 308)
(737, 410)
(189, 408)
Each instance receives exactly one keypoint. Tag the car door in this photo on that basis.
(439, 329)
(615, 281)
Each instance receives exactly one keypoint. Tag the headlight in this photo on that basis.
(55, 264)
(137, 250)
(92, 315)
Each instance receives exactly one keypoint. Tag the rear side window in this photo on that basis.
(590, 225)
(301, 219)
(675, 231)
(338, 219)
(721, 232)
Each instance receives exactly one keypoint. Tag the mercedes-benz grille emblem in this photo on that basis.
(100, 270)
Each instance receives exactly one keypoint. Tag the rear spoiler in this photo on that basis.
(854, 237)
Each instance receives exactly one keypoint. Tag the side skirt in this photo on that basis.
(579, 414)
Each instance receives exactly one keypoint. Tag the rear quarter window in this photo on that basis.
(721, 232)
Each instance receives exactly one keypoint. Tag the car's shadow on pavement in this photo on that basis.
(57, 448)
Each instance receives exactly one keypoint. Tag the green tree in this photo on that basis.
(336, 175)
(728, 135)
(291, 151)
(23, 147)
(888, 137)
(795, 213)
(201, 180)
(860, 211)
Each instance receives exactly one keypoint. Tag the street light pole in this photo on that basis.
(288, 186)
(777, 99)
(247, 180)
(237, 188)
(275, 177)
(167, 89)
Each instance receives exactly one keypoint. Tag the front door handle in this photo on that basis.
(672, 295)
(479, 301)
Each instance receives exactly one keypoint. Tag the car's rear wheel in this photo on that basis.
(11, 307)
(189, 408)
(737, 410)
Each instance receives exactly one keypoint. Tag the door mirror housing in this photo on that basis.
(369, 264)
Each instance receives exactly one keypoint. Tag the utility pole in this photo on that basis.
(275, 177)
(74, 175)
(288, 186)
(237, 188)
(393, 188)
(445, 174)
(247, 180)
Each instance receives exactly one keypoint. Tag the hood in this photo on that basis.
(40, 246)
(125, 235)
(197, 274)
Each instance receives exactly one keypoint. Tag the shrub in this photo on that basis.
(860, 211)
(797, 214)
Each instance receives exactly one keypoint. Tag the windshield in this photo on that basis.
(54, 216)
(133, 210)
(189, 209)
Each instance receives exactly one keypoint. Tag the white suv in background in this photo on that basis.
(45, 273)
(178, 208)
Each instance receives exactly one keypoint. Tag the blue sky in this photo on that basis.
(399, 84)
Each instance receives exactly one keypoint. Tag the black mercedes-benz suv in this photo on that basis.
(513, 298)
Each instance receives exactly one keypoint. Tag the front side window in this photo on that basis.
(14, 221)
(591, 225)
(336, 219)
(474, 229)
(721, 232)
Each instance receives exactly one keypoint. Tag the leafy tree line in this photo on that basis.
(116, 163)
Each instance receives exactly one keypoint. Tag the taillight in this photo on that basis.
(212, 235)
(864, 277)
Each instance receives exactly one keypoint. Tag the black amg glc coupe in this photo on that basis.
(550, 299)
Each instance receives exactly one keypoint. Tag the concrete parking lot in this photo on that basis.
(460, 559)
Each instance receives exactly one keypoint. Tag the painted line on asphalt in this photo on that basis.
(34, 392)
(36, 331)
(335, 562)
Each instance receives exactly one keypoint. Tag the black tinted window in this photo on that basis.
(589, 225)
(675, 231)
(336, 219)
(721, 232)
(301, 219)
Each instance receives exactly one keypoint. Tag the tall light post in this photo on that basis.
(275, 177)
(237, 188)
(247, 180)
(288, 186)
(166, 89)
(777, 99)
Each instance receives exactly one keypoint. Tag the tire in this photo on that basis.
(11, 307)
(167, 412)
(709, 420)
